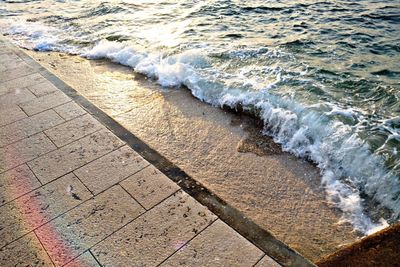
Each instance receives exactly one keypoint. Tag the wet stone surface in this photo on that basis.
(73, 194)
(279, 192)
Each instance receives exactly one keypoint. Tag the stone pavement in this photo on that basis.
(73, 194)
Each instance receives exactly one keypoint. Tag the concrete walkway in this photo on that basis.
(74, 194)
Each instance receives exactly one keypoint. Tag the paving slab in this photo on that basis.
(42, 89)
(28, 126)
(10, 61)
(85, 260)
(149, 186)
(15, 96)
(10, 114)
(74, 155)
(4, 50)
(27, 251)
(45, 102)
(73, 194)
(73, 130)
(28, 212)
(155, 235)
(24, 150)
(267, 262)
(218, 245)
(7, 60)
(21, 82)
(17, 182)
(111, 169)
(14, 73)
(69, 110)
(81, 228)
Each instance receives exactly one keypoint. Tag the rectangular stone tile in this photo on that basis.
(84, 260)
(15, 96)
(25, 150)
(28, 212)
(73, 130)
(42, 89)
(74, 155)
(20, 83)
(154, 236)
(16, 182)
(10, 114)
(9, 58)
(11, 65)
(5, 50)
(69, 110)
(267, 262)
(45, 102)
(218, 245)
(19, 72)
(28, 126)
(149, 186)
(110, 169)
(27, 251)
(10, 61)
(86, 225)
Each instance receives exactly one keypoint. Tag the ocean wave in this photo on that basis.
(348, 167)
(36, 36)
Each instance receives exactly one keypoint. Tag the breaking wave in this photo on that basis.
(325, 86)
(347, 165)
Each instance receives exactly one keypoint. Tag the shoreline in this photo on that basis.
(278, 191)
(70, 166)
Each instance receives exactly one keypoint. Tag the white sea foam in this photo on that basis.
(35, 36)
(348, 113)
(346, 163)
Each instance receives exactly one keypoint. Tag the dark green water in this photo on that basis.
(323, 76)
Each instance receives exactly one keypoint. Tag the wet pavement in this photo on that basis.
(74, 194)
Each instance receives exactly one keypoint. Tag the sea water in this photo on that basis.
(323, 76)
